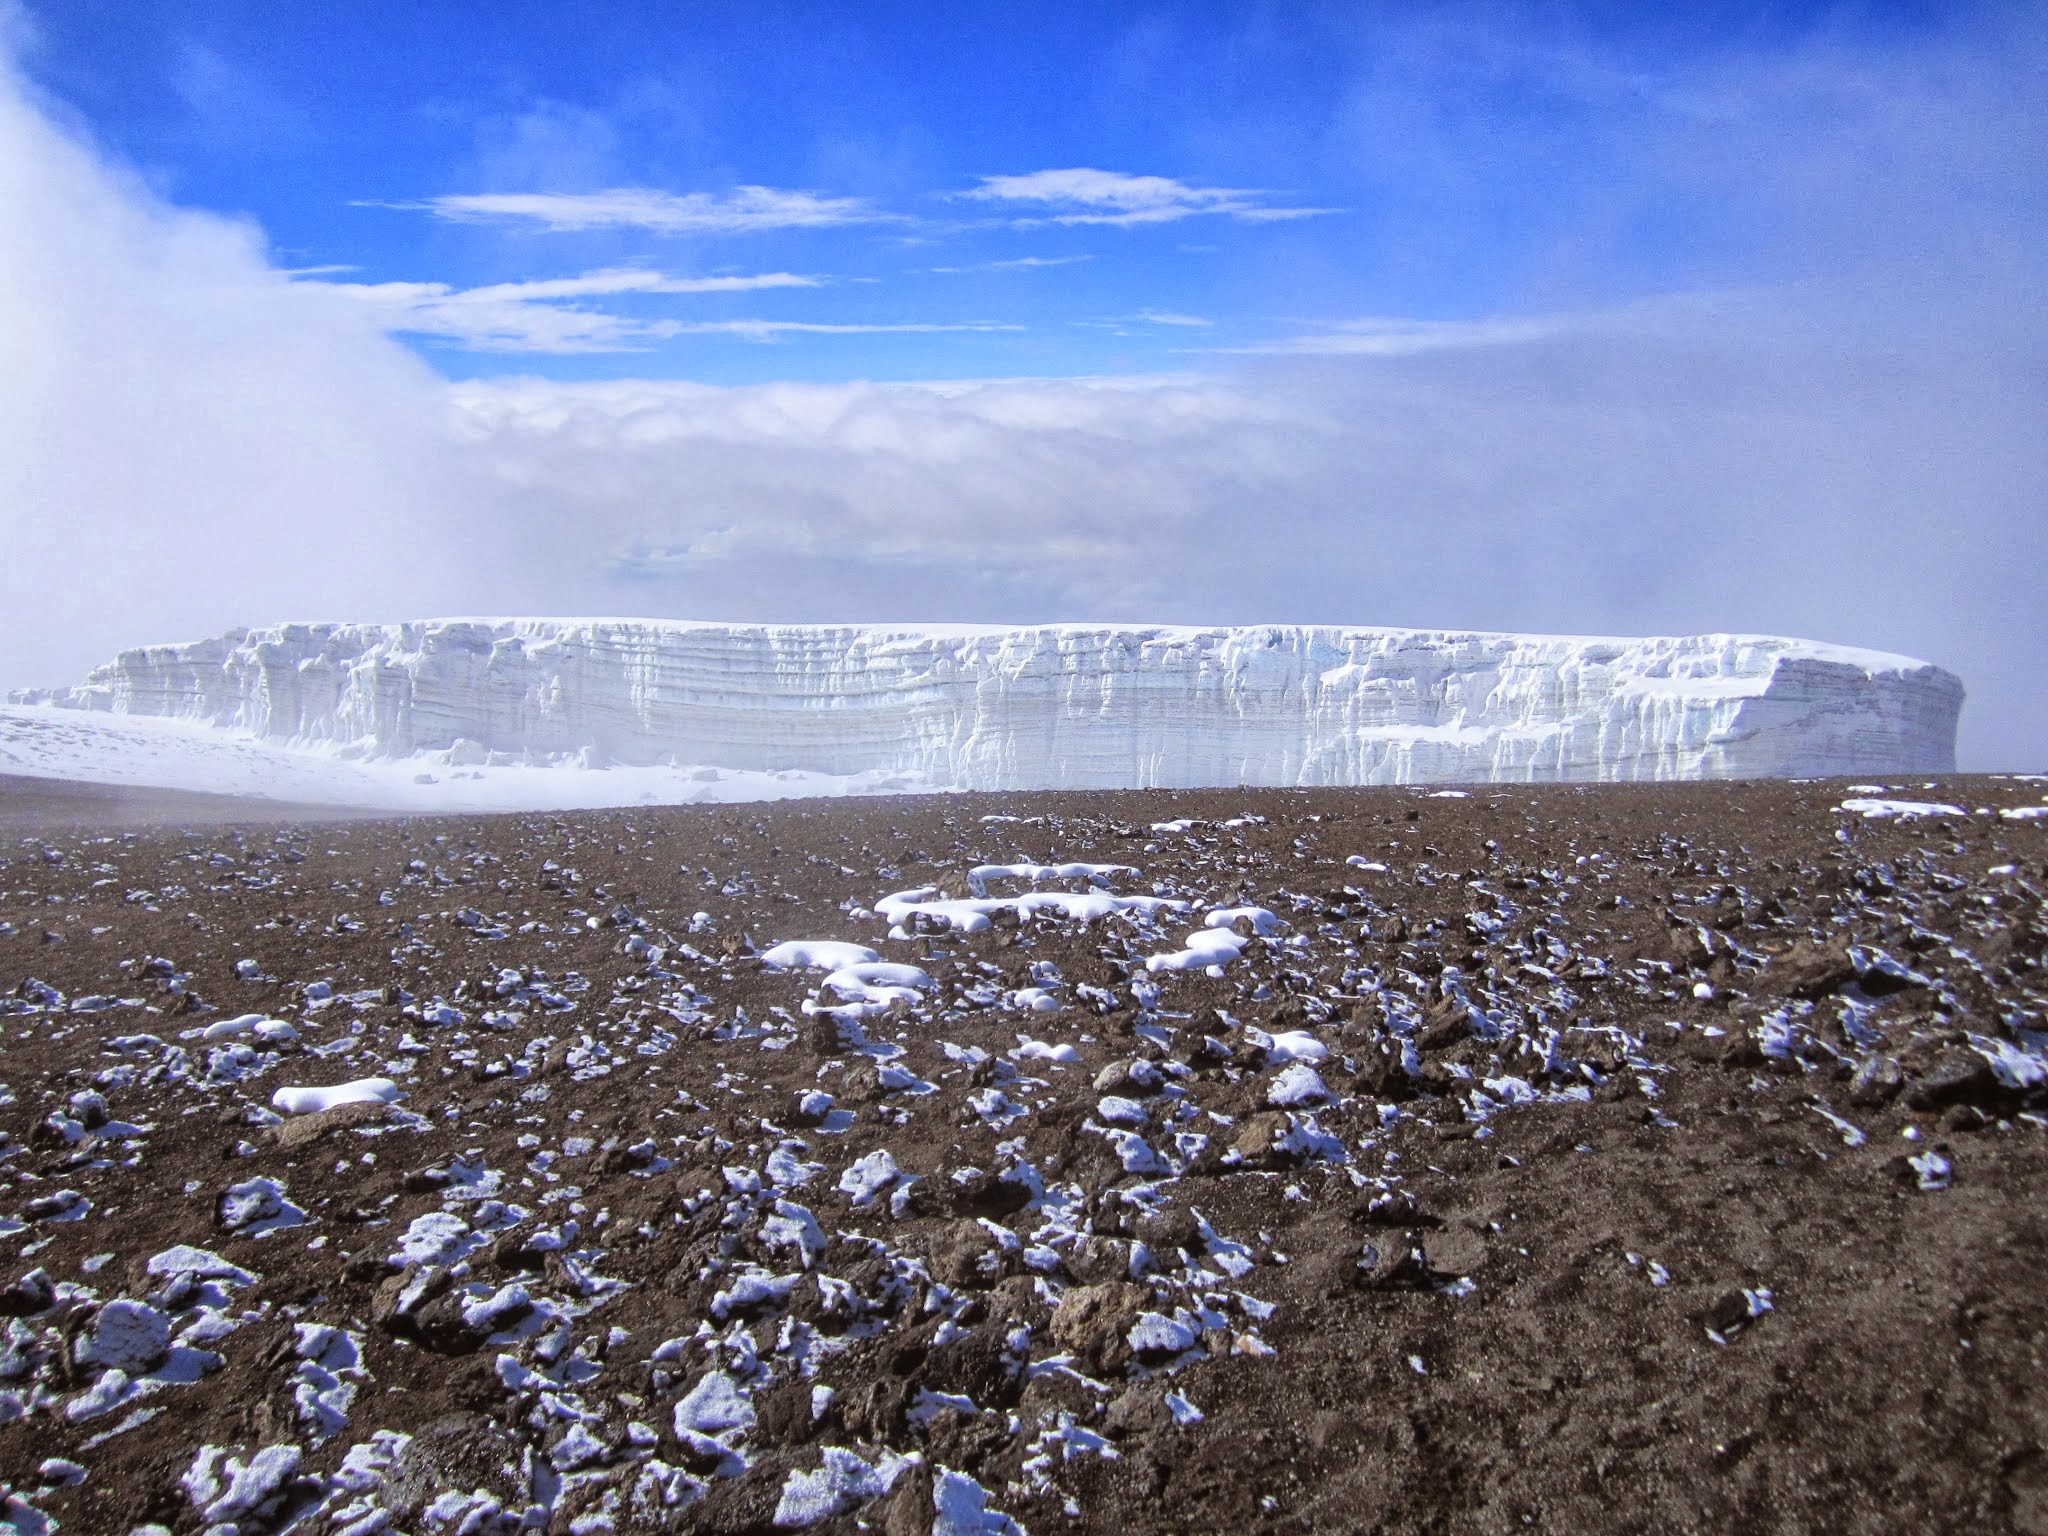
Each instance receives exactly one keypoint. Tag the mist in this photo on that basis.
(190, 439)
(1652, 477)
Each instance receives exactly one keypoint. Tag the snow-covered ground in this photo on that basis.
(40, 741)
(514, 713)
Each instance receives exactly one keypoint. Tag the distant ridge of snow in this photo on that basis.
(1047, 706)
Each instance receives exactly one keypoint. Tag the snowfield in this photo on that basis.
(39, 741)
(478, 714)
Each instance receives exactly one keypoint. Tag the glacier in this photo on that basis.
(975, 707)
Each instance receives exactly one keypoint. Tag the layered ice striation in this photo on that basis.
(1056, 705)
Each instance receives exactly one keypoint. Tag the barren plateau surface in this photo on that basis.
(1570, 1158)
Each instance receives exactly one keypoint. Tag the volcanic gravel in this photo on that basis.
(1552, 1157)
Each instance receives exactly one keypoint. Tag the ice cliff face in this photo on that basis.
(1067, 705)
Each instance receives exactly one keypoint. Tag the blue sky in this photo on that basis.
(1265, 175)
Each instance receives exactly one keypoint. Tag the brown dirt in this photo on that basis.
(1697, 1284)
(40, 805)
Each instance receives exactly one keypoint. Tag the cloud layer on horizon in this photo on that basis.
(1646, 482)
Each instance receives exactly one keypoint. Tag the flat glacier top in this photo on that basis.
(1868, 659)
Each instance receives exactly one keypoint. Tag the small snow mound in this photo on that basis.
(818, 955)
(311, 1101)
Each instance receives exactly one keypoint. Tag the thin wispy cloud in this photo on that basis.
(634, 280)
(1125, 325)
(540, 316)
(543, 317)
(1083, 196)
(770, 330)
(1688, 315)
(1015, 264)
(1383, 336)
(744, 210)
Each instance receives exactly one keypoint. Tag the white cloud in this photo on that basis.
(1015, 264)
(769, 330)
(535, 317)
(633, 280)
(186, 435)
(538, 317)
(1120, 325)
(1620, 478)
(744, 210)
(1084, 196)
(1387, 336)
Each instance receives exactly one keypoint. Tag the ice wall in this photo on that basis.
(1059, 705)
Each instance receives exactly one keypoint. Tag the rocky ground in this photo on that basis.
(1560, 1158)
